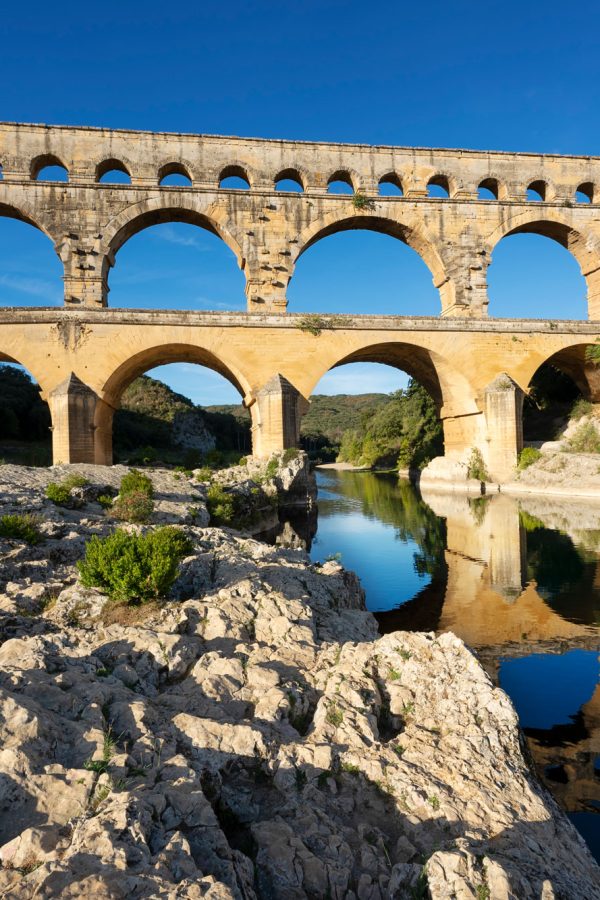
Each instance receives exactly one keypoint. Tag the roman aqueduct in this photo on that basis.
(476, 368)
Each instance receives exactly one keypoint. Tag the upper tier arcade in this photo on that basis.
(89, 219)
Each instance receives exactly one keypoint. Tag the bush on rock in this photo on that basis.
(134, 568)
(21, 528)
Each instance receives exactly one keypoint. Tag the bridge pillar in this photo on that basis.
(503, 406)
(276, 421)
(73, 407)
(464, 294)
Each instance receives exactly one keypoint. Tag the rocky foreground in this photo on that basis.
(252, 737)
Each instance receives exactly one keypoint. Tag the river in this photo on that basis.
(517, 580)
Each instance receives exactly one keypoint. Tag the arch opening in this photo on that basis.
(378, 407)
(488, 189)
(366, 264)
(391, 186)
(289, 180)
(112, 171)
(535, 273)
(48, 168)
(30, 269)
(25, 421)
(340, 183)
(438, 187)
(537, 191)
(585, 193)
(173, 405)
(234, 178)
(173, 258)
(174, 175)
(562, 402)
(1, 172)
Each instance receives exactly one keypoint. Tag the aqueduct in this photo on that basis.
(476, 368)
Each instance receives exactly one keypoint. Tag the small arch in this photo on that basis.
(289, 180)
(585, 192)
(174, 174)
(234, 178)
(438, 187)
(390, 185)
(488, 189)
(48, 167)
(537, 191)
(340, 183)
(112, 171)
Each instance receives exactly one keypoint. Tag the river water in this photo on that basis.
(517, 580)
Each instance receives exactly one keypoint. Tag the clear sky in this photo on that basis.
(508, 76)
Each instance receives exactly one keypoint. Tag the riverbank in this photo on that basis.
(252, 736)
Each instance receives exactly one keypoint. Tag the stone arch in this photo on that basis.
(579, 360)
(28, 214)
(111, 164)
(179, 208)
(447, 386)
(583, 245)
(236, 170)
(414, 236)
(292, 173)
(41, 162)
(347, 176)
(179, 167)
(148, 358)
(495, 185)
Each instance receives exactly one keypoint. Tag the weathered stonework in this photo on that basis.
(267, 229)
(273, 359)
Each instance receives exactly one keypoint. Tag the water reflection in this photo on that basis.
(517, 580)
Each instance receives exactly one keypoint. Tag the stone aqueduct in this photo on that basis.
(476, 368)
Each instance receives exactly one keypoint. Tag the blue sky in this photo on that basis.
(507, 76)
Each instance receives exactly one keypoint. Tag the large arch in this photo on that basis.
(414, 235)
(26, 268)
(147, 213)
(583, 245)
(25, 414)
(139, 363)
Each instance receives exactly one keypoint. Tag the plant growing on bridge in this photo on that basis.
(314, 324)
(359, 201)
(134, 568)
(476, 467)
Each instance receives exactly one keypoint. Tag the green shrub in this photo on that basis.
(135, 482)
(528, 456)
(21, 528)
(585, 440)
(290, 454)
(134, 568)
(134, 506)
(476, 468)
(272, 468)
(59, 494)
(222, 505)
(204, 474)
(75, 481)
(105, 501)
(581, 408)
